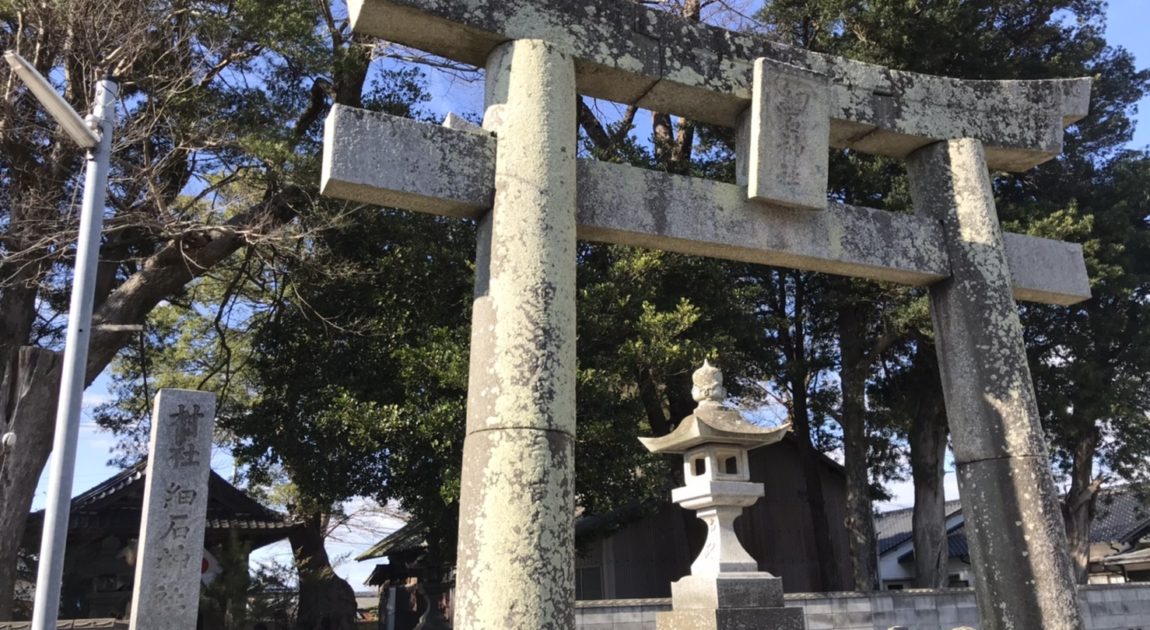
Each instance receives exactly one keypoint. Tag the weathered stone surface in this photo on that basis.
(1046, 271)
(1017, 544)
(1022, 573)
(742, 590)
(459, 123)
(789, 136)
(725, 588)
(391, 161)
(985, 374)
(530, 275)
(166, 594)
(632, 54)
(630, 206)
(481, 392)
(722, 551)
(731, 619)
(516, 564)
(516, 540)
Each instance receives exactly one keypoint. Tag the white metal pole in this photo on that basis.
(55, 533)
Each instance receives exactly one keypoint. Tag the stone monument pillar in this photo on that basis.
(516, 567)
(166, 593)
(725, 590)
(1008, 497)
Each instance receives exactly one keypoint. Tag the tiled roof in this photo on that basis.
(894, 528)
(956, 545)
(410, 536)
(1122, 515)
(1138, 556)
(117, 501)
(110, 486)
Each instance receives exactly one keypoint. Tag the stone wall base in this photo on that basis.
(1104, 607)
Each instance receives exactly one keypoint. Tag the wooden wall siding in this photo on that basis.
(777, 530)
(651, 553)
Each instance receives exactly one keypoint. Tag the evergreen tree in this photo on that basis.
(218, 105)
(980, 39)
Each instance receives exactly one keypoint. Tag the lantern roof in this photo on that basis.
(713, 421)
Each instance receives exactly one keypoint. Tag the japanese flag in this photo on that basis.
(209, 568)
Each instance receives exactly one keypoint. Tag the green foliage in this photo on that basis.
(362, 371)
(183, 346)
(646, 320)
(1088, 361)
(1091, 361)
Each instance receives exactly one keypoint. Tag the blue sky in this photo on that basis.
(1127, 20)
(1126, 27)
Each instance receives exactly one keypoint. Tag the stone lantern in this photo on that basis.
(725, 589)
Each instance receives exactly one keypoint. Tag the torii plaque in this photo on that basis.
(519, 177)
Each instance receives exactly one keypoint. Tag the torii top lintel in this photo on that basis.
(633, 54)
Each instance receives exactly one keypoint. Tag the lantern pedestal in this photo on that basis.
(725, 591)
(731, 619)
(742, 590)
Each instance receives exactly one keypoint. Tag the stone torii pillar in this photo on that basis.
(1009, 501)
(518, 484)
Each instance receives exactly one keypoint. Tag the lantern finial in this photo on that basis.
(708, 385)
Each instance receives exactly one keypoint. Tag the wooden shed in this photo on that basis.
(104, 525)
(636, 552)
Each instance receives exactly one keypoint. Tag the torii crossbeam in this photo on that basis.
(519, 178)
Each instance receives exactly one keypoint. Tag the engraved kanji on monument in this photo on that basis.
(790, 127)
(167, 586)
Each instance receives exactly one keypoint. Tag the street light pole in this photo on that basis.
(55, 532)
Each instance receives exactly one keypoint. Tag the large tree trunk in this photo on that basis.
(1078, 508)
(812, 481)
(28, 405)
(326, 601)
(792, 340)
(859, 520)
(928, 433)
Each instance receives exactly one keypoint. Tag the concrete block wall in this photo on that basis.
(921, 610)
(1116, 606)
(619, 614)
(1104, 607)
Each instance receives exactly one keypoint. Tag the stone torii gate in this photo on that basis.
(519, 178)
